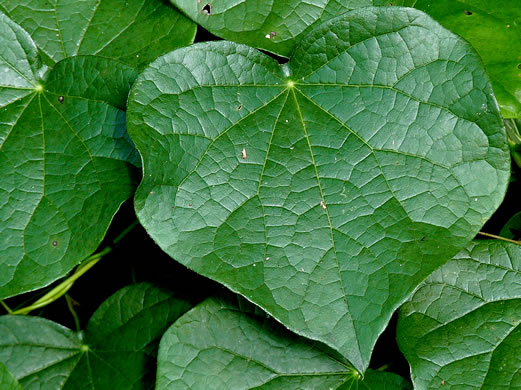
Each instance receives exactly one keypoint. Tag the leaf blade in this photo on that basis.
(307, 206)
(465, 315)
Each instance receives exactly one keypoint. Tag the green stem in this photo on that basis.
(62, 288)
(6, 307)
(500, 238)
(73, 312)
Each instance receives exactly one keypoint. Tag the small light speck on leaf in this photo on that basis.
(244, 155)
(267, 258)
(267, 36)
(323, 205)
(442, 382)
(55, 243)
(61, 99)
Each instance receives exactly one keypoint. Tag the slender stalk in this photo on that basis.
(62, 288)
(6, 307)
(500, 238)
(73, 312)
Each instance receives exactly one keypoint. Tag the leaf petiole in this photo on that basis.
(499, 238)
(62, 288)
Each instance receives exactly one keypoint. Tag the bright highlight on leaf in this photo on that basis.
(114, 352)
(218, 345)
(461, 328)
(378, 165)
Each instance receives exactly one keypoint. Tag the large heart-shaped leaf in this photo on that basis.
(461, 328)
(218, 345)
(134, 32)
(268, 24)
(494, 29)
(116, 351)
(7, 380)
(64, 151)
(327, 189)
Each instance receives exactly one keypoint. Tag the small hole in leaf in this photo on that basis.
(467, 12)
(207, 9)
(55, 243)
(61, 99)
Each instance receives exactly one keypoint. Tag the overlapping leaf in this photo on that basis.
(134, 32)
(116, 351)
(494, 29)
(64, 153)
(327, 189)
(7, 380)
(268, 24)
(218, 346)
(461, 328)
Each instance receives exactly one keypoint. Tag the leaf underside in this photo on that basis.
(461, 328)
(321, 189)
(115, 351)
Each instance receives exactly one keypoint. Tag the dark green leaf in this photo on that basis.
(494, 29)
(512, 228)
(218, 346)
(116, 351)
(7, 380)
(268, 24)
(327, 189)
(134, 32)
(64, 160)
(461, 328)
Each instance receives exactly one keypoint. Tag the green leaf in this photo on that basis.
(134, 32)
(219, 346)
(64, 159)
(461, 328)
(64, 150)
(267, 24)
(494, 29)
(7, 380)
(327, 189)
(116, 351)
(512, 228)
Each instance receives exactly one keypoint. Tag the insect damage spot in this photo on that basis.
(467, 12)
(61, 99)
(207, 9)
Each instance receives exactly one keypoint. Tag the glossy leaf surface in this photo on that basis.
(494, 29)
(321, 190)
(219, 346)
(116, 351)
(267, 24)
(134, 32)
(461, 328)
